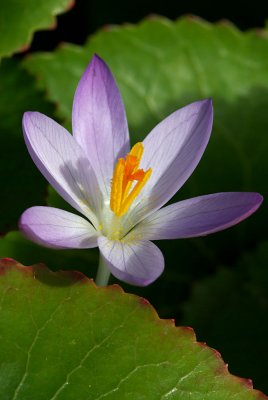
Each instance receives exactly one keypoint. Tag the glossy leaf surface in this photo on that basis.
(78, 341)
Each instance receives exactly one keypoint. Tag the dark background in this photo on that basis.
(86, 16)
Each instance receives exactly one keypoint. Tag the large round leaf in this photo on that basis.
(62, 338)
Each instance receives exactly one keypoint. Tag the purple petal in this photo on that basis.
(63, 163)
(56, 228)
(173, 150)
(139, 263)
(198, 216)
(99, 121)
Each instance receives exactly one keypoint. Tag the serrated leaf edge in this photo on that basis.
(78, 277)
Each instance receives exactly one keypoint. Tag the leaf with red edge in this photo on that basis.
(20, 19)
(64, 338)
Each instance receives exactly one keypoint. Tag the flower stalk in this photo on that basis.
(103, 273)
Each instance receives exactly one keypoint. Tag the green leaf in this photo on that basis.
(229, 311)
(20, 19)
(21, 184)
(63, 338)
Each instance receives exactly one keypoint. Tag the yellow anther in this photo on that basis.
(137, 151)
(134, 193)
(117, 186)
(125, 173)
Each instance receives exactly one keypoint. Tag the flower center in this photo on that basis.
(126, 171)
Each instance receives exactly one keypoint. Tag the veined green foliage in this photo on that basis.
(79, 341)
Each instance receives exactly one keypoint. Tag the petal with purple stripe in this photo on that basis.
(138, 263)
(63, 163)
(52, 227)
(197, 217)
(173, 149)
(99, 121)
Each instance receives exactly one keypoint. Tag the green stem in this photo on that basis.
(103, 273)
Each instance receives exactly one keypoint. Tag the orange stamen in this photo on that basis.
(125, 173)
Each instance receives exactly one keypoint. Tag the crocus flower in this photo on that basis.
(120, 191)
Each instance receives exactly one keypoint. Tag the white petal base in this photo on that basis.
(138, 263)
